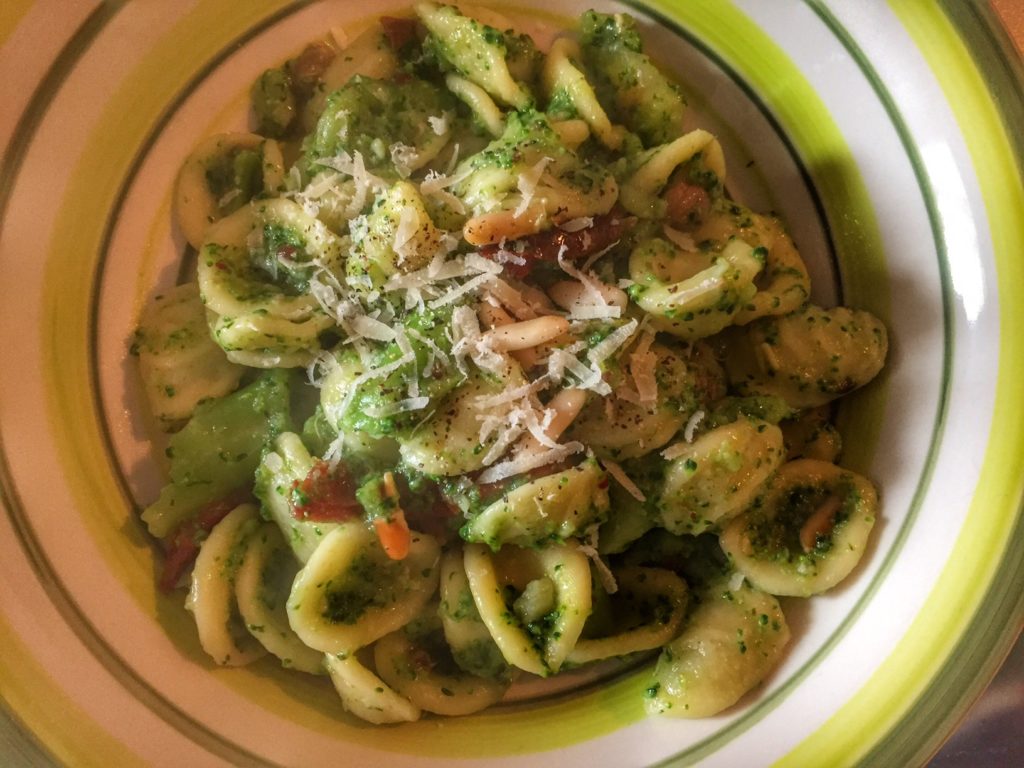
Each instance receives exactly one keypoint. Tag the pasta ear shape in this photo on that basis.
(471, 644)
(221, 176)
(350, 593)
(538, 631)
(250, 268)
(681, 379)
(704, 304)
(418, 666)
(369, 55)
(262, 584)
(180, 364)
(640, 192)
(809, 357)
(281, 468)
(732, 640)
(551, 508)
(367, 696)
(808, 533)
(718, 475)
(564, 82)
(399, 237)
(475, 50)
(211, 597)
(449, 442)
(648, 607)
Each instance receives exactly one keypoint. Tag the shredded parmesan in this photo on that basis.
(273, 462)
(623, 479)
(370, 328)
(527, 184)
(608, 346)
(408, 226)
(401, 406)
(589, 548)
(674, 451)
(439, 125)
(526, 462)
(642, 367)
(682, 239)
(353, 165)
(320, 367)
(405, 159)
(691, 425)
(575, 225)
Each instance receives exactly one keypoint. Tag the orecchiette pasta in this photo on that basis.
(808, 533)
(220, 176)
(367, 696)
(718, 475)
(350, 593)
(262, 584)
(729, 644)
(211, 597)
(179, 363)
(407, 665)
(540, 639)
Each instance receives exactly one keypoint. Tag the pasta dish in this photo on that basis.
(483, 374)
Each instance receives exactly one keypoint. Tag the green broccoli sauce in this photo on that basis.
(367, 583)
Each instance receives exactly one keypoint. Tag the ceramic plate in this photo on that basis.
(879, 131)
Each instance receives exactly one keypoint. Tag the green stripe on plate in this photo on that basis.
(904, 730)
(42, 708)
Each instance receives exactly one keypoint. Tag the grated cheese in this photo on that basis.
(401, 406)
(691, 426)
(675, 450)
(527, 184)
(575, 225)
(408, 226)
(588, 546)
(320, 367)
(607, 346)
(369, 328)
(526, 462)
(459, 291)
(365, 182)
(439, 125)
(405, 159)
(642, 367)
(623, 479)
(273, 462)
(681, 239)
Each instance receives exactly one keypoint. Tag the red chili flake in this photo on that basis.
(491, 492)
(222, 265)
(325, 496)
